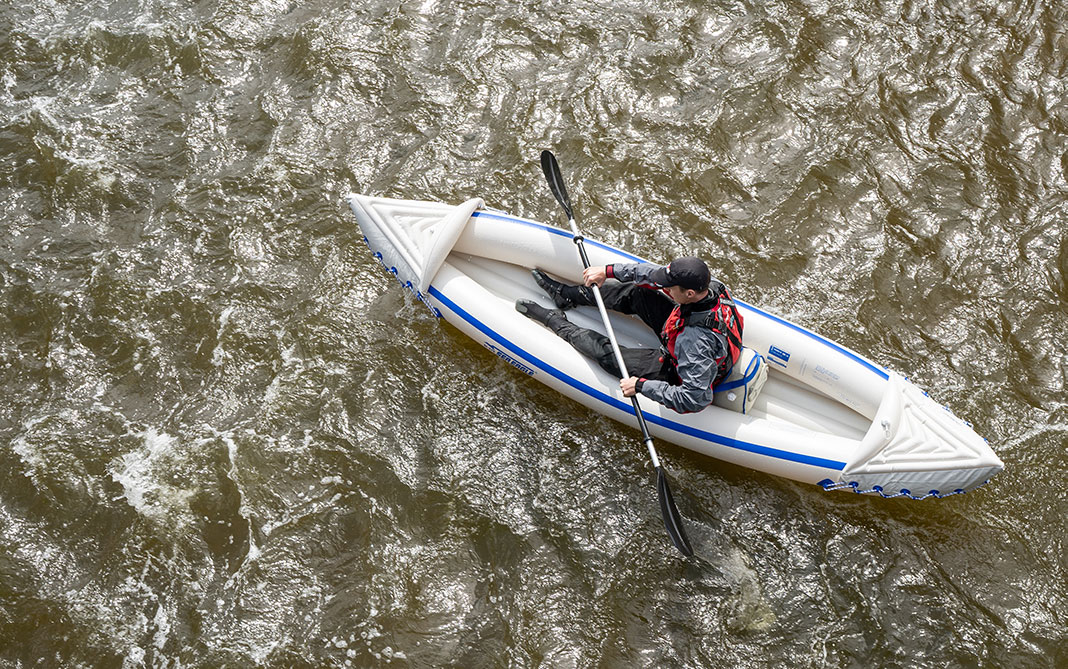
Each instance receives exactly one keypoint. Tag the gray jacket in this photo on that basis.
(697, 349)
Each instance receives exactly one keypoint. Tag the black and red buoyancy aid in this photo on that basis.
(723, 318)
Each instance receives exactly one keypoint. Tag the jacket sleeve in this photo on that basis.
(634, 272)
(699, 351)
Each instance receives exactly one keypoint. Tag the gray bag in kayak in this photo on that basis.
(739, 390)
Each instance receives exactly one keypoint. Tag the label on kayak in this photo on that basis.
(509, 359)
(777, 352)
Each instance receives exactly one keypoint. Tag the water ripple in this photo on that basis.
(229, 439)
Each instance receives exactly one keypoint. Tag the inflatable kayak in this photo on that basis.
(825, 415)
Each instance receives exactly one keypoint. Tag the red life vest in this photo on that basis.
(722, 318)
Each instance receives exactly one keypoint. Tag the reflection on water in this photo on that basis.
(230, 439)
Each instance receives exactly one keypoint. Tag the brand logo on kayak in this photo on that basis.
(509, 359)
(826, 374)
(777, 352)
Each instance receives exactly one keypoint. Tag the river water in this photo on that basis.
(228, 438)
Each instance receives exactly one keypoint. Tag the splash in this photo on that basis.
(151, 482)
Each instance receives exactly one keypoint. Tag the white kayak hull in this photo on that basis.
(826, 415)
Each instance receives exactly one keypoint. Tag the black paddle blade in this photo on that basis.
(672, 519)
(556, 181)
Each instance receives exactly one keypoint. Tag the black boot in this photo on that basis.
(547, 317)
(563, 295)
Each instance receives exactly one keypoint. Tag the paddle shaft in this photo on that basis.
(579, 241)
(672, 519)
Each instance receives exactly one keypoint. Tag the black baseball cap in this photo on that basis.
(690, 273)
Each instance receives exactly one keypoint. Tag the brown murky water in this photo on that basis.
(227, 438)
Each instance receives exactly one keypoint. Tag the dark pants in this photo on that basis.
(652, 306)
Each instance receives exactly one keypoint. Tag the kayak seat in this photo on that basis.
(739, 390)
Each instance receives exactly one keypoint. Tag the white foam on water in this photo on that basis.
(134, 658)
(27, 452)
(163, 628)
(143, 475)
(272, 391)
(219, 355)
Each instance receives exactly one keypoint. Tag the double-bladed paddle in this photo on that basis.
(672, 519)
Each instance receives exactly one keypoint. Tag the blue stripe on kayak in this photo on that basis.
(626, 406)
(797, 328)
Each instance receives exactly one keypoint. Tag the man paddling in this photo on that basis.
(698, 324)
